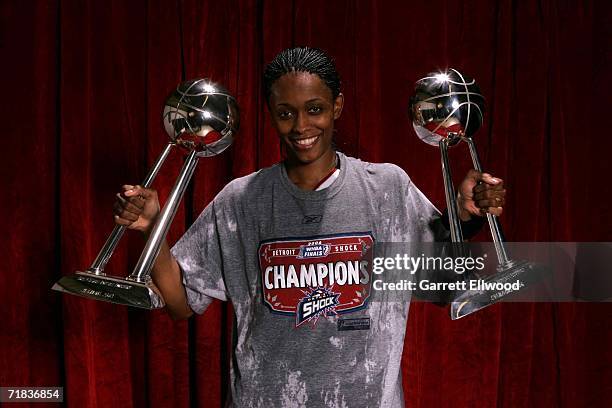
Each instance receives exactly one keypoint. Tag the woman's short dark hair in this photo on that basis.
(302, 59)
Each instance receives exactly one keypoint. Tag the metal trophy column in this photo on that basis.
(496, 231)
(98, 265)
(449, 192)
(160, 230)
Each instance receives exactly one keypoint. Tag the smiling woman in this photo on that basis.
(300, 256)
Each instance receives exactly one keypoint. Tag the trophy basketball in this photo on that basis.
(448, 108)
(201, 118)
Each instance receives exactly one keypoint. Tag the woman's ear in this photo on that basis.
(338, 105)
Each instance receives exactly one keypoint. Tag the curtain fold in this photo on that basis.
(84, 84)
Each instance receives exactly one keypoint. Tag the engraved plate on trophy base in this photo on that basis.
(110, 289)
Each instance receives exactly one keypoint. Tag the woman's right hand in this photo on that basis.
(137, 208)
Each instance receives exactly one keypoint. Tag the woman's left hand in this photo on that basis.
(480, 193)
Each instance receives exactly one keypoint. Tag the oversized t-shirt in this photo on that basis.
(309, 330)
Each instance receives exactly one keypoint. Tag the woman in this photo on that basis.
(285, 245)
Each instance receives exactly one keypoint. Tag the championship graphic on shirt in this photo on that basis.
(316, 277)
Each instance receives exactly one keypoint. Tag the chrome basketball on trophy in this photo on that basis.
(447, 108)
(201, 118)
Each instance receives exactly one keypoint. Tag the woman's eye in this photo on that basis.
(315, 109)
(284, 114)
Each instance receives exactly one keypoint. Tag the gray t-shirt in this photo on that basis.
(309, 330)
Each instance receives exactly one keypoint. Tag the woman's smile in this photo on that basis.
(305, 143)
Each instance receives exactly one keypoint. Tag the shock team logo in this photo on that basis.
(316, 277)
(317, 302)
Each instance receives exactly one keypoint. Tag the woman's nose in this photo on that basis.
(301, 122)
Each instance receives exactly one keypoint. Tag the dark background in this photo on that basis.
(83, 84)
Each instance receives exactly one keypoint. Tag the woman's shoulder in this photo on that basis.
(383, 173)
(252, 184)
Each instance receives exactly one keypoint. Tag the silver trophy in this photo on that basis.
(448, 108)
(201, 118)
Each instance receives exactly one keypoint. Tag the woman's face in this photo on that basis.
(303, 112)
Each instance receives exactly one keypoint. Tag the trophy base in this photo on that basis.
(515, 277)
(111, 289)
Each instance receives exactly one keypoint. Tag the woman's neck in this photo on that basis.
(307, 176)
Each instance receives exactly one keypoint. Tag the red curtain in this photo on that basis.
(84, 82)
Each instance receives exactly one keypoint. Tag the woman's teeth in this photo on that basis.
(306, 142)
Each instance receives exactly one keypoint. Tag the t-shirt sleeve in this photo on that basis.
(198, 254)
(423, 218)
(431, 215)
